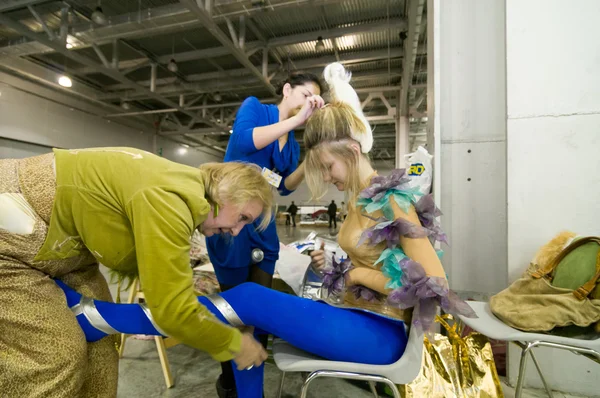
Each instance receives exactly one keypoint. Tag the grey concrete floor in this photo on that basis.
(195, 373)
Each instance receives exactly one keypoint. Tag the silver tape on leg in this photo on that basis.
(89, 310)
(150, 318)
(225, 309)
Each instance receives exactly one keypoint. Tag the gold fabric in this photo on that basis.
(455, 367)
(43, 352)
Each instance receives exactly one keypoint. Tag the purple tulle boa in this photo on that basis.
(425, 294)
(417, 290)
(335, 279)
(364, 293)
(380, 185)
(391, 231)
(428, 213)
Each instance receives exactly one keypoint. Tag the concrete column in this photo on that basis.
(471, 120)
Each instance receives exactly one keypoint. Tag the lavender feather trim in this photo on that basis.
(391, 231)
(377, 195)
(425, 293)
(334, 277)
(364, 293)
(428, 213)
(335, 280)
(380, 185)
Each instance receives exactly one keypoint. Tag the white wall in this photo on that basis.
(10, 149)
(472, 157)
(553, 140)
(46, 122)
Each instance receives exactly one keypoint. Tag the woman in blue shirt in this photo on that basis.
(263, 134)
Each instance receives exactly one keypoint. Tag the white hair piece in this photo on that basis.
(338, 79)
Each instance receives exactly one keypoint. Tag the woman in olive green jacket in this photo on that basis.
(63, 213)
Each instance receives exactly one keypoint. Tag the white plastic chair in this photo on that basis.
(405, 370)
(489, 325)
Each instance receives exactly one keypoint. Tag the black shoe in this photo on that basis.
(225, 392)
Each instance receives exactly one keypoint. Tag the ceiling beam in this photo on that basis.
(230, 85)
(204, 16)
(415, 14)
(346, 59)
(23, 30)
(16, 4)
(215, 52)
(237, 104)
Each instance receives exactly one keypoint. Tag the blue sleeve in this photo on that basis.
(283, 191)
(248, 117)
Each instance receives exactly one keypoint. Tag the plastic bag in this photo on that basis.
(419, 169)
(292, 267)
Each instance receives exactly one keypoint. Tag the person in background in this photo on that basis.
(293, 210)
(332, 212)
(343, 211)
(263, 134)
(63, 213)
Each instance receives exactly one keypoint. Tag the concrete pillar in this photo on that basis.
(471, 121)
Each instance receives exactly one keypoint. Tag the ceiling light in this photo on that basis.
(217, 97)
(65, 81)
(99, 17)
(69, 45)
(320, 46)
(230, 131)
(125, 105)
(172, 66)
(182, 150)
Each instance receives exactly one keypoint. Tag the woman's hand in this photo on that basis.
(251, 353)
(318, 257)
(310, 104)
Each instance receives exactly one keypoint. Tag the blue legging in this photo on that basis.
(333, 333)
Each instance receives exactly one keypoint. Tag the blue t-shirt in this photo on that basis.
(236, 252)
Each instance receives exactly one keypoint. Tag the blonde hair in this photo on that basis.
(328, 129)
(333, 128)
(238, 183)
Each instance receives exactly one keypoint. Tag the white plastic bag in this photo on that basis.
(419, 169)
(292, 267)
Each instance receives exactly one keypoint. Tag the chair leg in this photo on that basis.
(537, 365)
(394, 389)
(164, 361)
(307, 382)
(373, 389)
(522, 368)
(130, 299)
(280, 390)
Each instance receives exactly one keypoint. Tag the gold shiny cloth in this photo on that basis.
(455, 366)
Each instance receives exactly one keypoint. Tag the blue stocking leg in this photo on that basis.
(333, 333)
